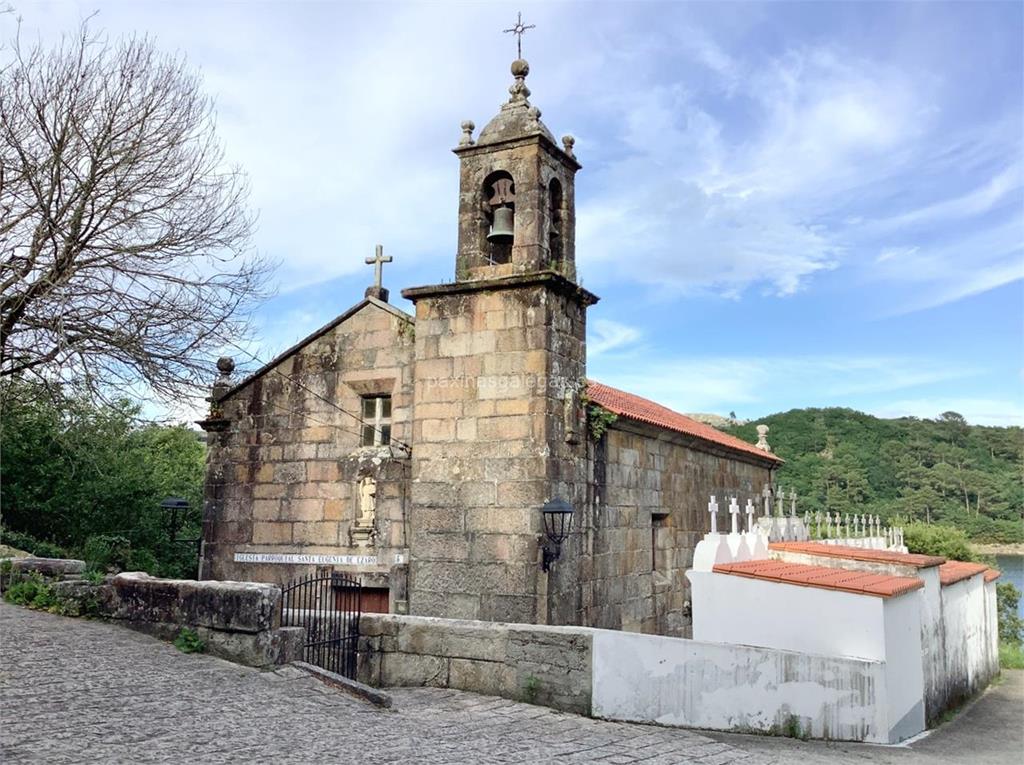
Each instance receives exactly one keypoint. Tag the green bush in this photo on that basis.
(1011, 626)
(188, 641)
(38, 547)
(107, 552)
(25, 591)
(947, 541)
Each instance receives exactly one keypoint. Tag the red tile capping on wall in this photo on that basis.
(859, 553)
(957, 570)
(992, 574)
(643, 410)
(842, 580)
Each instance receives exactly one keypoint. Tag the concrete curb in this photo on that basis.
(353, 687)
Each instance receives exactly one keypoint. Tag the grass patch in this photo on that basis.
(189, 642)
(1011, 656)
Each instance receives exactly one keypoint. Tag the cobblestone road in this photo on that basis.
(77, 691)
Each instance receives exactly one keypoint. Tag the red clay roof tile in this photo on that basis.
(992, 574)
(843, 580)
(641, 409)
(955, 571)
(858, 553)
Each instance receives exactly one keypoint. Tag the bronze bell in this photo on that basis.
(502, 230)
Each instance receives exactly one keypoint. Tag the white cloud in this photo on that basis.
(605, 335)
(750, 385)
(978, 411)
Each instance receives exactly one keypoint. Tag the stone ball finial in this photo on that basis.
(520, 67)
(225, 365)
(567, 143)
(467, 133)
(762, 438)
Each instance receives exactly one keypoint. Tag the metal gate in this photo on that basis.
(328, 607)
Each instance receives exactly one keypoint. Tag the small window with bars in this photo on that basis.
(376, 420)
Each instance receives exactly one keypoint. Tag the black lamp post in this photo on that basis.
(173, 506)
(557, 515)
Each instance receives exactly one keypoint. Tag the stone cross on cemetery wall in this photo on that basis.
(713, 509)
(734, 511)
(750, 515)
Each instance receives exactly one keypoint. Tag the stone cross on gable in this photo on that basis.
(734, 511)
(713, 509)
(378, 261)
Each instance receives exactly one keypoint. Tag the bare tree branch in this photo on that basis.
(124, 235)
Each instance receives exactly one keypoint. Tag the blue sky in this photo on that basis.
(781, 205)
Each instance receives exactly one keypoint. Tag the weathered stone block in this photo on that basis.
(230, 606)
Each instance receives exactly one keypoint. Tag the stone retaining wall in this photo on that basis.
(237, 621)
(550, 666)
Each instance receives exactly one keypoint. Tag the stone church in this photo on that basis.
(420, 453)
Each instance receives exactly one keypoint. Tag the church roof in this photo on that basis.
(640, 409)
(841, 579)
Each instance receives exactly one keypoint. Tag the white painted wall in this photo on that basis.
(735, 609)
(904, 669)
(671, 681)
(932, 652)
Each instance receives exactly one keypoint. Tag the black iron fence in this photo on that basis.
(327, 606)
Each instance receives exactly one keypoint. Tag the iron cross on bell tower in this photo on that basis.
(519, 30)
(378, 261)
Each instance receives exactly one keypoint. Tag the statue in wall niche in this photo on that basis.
(363, 529)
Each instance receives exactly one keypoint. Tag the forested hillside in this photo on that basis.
(941, 470)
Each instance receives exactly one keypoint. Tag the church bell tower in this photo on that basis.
(516, 197)
(498, 423)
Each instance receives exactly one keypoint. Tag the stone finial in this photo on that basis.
(467, 133)
(567, 143)
(225, 365)
(534, 114)
(762, 438)
(518, 90)
(713, 509)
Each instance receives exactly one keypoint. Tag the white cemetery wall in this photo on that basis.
(668, 681)
(904, 674)
(735, 609)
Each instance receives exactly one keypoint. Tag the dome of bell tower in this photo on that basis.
(517, 117)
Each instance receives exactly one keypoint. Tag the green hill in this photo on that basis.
(941, 470)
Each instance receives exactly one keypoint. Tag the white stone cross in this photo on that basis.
(378, 262)
(734, 511)
(750, 515)
(782, 502)
(767, 494)
(713, 509)
(792, 503)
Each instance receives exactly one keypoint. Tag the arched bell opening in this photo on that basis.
(556, 248)
(497, 231)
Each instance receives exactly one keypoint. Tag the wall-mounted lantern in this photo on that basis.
(557, 515)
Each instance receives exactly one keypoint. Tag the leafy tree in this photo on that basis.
(1011, 626)
(942, 471)
(75, 471)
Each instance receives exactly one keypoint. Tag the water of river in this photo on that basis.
(1012, 567)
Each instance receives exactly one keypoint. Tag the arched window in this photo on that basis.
(498, 220)
(555, 241)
